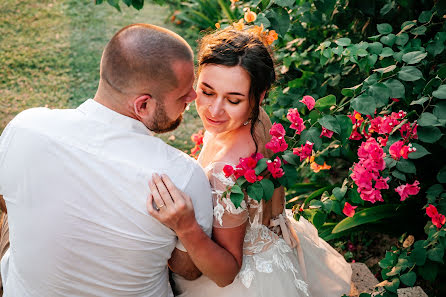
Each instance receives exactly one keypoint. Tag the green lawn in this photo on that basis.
(50, 53)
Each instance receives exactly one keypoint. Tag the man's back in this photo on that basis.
(75, 184)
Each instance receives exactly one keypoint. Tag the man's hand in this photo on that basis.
(169, 205)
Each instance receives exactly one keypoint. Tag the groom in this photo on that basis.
(75, 181)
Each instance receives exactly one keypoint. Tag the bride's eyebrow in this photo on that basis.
(231, 93)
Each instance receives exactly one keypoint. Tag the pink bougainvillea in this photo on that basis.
(277, 144)
(277, 130)
(304, 151)
(297, 123)
(228, 170)
(349, 210)
(308, 101)
(366, 173)
(274, 168)
(325, 132)
(437, 218)
(408, 189)
(399, 150)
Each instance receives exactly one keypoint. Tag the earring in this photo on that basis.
(247, 122)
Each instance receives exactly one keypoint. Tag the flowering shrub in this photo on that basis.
(360, 115)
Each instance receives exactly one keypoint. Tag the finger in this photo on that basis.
(162, 190)
(176, 194)
(150, 208)
(160, 204)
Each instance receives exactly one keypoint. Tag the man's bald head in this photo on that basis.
(139, 58)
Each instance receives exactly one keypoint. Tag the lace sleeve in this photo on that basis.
(226, 215)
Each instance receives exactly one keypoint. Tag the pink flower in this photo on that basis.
(257, 157)
(308, 101)
(388, 124)
(248, 163)
(407, 189)
(398, 150)
(277, 144)
(326, 133)
(383, 141)
(349, 210)
(197, 138)
(296, 121)
(228, 170)
(437, 219)
(277, 130)
(250, 175)
(409, 131)
(274, 168)
(304, 151)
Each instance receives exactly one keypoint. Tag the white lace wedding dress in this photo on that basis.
(272, 264)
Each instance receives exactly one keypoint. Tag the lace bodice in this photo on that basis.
(263, 249)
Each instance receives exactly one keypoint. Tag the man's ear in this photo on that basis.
(141, 105)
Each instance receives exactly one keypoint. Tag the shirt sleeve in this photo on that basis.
(5, 140)
(199, 191)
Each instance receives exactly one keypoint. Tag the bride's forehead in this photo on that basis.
(225, 76)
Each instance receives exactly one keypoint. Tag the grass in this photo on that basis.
(50, 53)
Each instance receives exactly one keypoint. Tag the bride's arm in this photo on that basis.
(220, 260)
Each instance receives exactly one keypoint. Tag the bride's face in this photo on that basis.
(223, 97)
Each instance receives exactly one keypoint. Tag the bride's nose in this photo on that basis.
(216, 108)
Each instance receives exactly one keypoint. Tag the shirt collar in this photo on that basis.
(103, 114)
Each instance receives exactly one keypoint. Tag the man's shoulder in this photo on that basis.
(34, 117)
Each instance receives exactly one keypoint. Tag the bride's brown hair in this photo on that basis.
(230, 47)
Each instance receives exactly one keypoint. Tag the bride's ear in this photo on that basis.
(141, 105)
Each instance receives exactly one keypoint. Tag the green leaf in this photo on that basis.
(311, 135)
(402, 39)
(419, 152)
(440, 93)
(433, 83)
(255, 191)
(428, 271)
(368, 215)
(346, 127)
(406, 166)
(354, 197)
(385, 9)
(435, 190)
(290, 177)
(318, 219)
(441, 176)
(407, 25)
(350, 92)
(325, 102)
(329, 122)
(421, 30)
(440, 110)
(436, 254)
(339, 193)
(419, 255)
(397, 89)
(387, 52)
(399, 175)
(343, 41)
(414, 57)
(375, 48)
(425, 16)
(285, 3)
(384, 28)
(364, 104)
(429, 134)
(409, 73)
(409, 278)
(237, 195)
(115, 4)
(291, 158)
(261, 166)
(381, 93)
(393, 285)
(427, 119)
(420, 101)
(268, 188)
(385, 69)
(279, 19)
(388, 40)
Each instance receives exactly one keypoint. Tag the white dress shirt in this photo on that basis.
(75, 183)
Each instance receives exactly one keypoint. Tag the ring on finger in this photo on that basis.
(161, 206)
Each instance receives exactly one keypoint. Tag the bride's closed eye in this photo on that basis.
(235, 102)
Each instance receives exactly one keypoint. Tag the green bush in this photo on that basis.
(377, 71)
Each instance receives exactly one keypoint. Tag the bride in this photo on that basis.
(255, 249)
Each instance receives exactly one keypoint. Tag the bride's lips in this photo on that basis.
(214, 122)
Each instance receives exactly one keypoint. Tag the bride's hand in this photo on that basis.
(169, 205)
